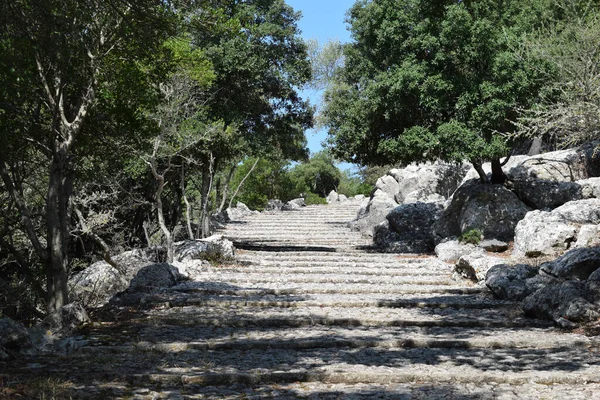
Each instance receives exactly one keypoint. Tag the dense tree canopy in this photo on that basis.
(426, 80)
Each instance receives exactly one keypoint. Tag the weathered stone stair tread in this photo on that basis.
(348, 365)
(302, 269)
(176, 338)
(175, 299)
(257, 278)
(342, 316)
(249, 288)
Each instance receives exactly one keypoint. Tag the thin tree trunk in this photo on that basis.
(242, 182)
(161, 217)
(482, 175)
(188, 207)
(207, 177)
(226, 188)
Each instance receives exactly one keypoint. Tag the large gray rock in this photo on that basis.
(550, 233)
(408, 228)
(570, 300)
(388, 185)
(239, 212)
(215, 247)
(428, 182)
(95, 285)
(475, 266)
(65, 320)
(492, 209)
(155, 276)
(576, 264)
(13, 335)
(546, 181)
(510, 281)
(451, 250)
(373, 213)
(294, 204)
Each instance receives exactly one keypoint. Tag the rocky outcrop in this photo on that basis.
(566, 290)
(274, 205)
(492, 209)
(95, 285)
(407, 228)
(425, 183)
(550, 233)
(295, 204)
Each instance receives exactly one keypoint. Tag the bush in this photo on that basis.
(311, 198)
(472, 236)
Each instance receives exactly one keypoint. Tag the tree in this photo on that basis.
(318, 175)
(426, 80)
(569, 113)
(68, 51)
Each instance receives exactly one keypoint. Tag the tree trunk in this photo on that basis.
(207, 177)
(188, 208)
(242, 182)
(498, 177)
(482, 175)
(161, 217)
(226, 189)
(57, 225)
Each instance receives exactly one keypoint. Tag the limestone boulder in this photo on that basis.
(373, 213)
(431, 182)
(475, 266)
(215, 247)
(492, 209)
(408, 228)
(154, 276)
(294, 204)
(576, 264)
(452, 250)
(551, 233)
(388, 185)
(95, 285)
(568, 300)
(510, 281)
(588, 236)
(239, 212)
(493, 245)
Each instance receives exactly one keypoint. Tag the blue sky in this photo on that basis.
(322, 20)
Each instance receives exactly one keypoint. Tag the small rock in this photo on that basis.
(493, 245)
(510, 281)
(451, 250)
(475, 266)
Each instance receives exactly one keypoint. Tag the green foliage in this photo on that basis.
(431, 80)
(312, 198)
(318, 175)
(352, 185)
(569, 113)
(472, 236)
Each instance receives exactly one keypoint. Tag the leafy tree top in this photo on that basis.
(427, 80)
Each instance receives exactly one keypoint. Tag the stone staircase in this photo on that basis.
(310, 311)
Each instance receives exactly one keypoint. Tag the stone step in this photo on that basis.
(246, 278)
(248, 316)
(325, 288)
(169, 338)
(199, 299)
(303, 268)
(335, 365)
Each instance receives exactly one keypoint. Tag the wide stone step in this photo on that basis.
(337, 365)
(303, 268)
(199, 299)
(315, 279)
(329, 288)
(248, 316)
(175, 339)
